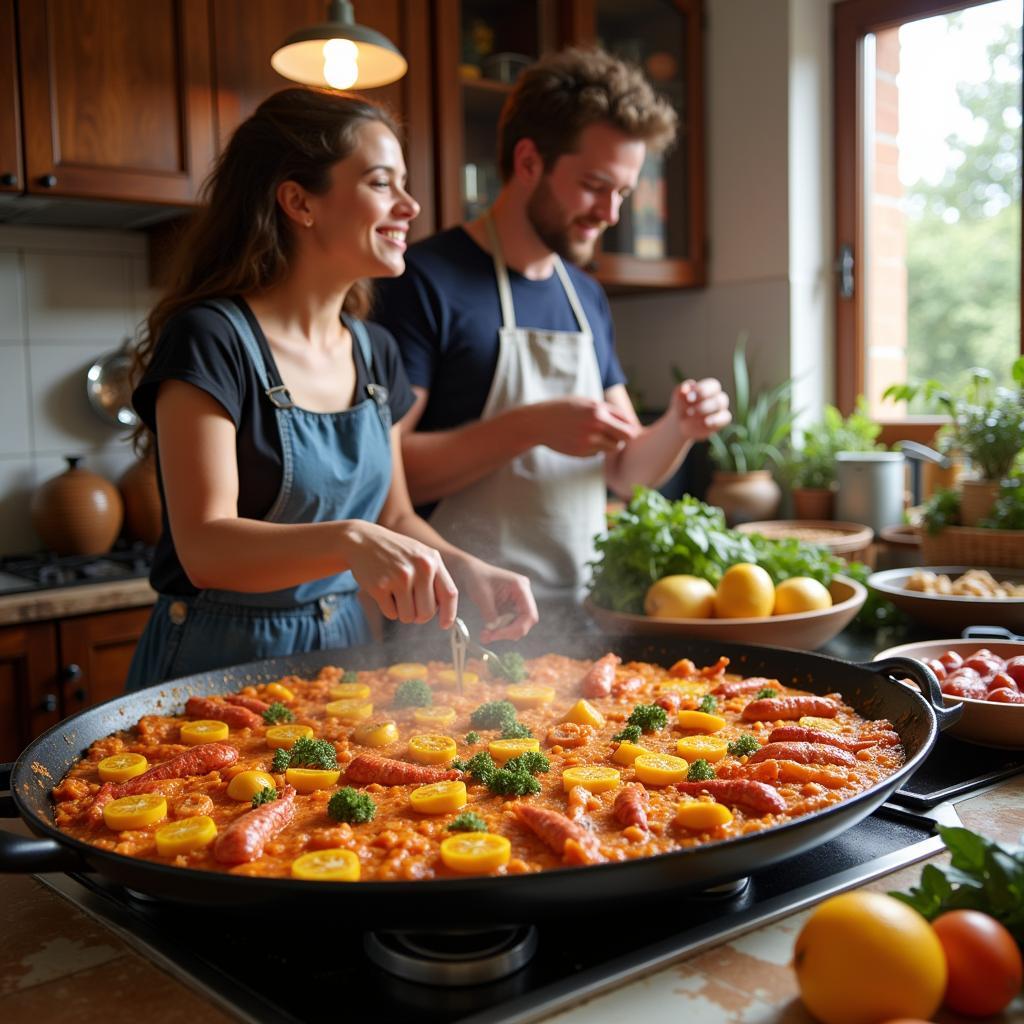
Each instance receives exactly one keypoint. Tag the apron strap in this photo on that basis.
(508, 313)
(377, 391)
(570, 294)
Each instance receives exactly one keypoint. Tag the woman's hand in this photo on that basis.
(406, 578)
(504, 598)
(701, 408)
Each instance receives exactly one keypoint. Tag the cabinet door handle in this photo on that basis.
(48, 180)
(48, 703)
(72, 672)
(8, 179)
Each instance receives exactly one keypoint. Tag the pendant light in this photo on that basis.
(339, 54)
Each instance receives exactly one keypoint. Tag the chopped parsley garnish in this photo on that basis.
(630, 733)
(708, 704)
(512, 667)
(700, 771)
(277, 713)
(744, 746)
(413, 693)
(495, 714)
(516, 778)
(264, 796)
(516, 731)
(472, 737)
(350, 805)
(650, 717)
(467, 821)
(350, 677)
(766, 691)
(306, 753)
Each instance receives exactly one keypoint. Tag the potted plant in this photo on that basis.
(810, 469)
(986, 426)
(745, 451)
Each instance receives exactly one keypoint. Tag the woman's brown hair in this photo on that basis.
(565, 92)
(240, 240)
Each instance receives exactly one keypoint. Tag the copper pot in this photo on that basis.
(143, 509)
(77, 512)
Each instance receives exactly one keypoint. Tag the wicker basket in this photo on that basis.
(966, 545)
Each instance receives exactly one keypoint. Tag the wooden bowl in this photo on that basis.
(983, 721)
(945, 611)
(806, 630)
(846, 539)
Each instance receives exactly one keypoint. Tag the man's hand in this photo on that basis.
(581, 426)
(700, 408)
(504, 598)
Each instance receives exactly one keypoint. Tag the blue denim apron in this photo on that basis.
(335, 465)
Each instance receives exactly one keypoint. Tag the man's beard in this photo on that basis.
(547, 218)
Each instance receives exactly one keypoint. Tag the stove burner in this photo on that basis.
(453, 958)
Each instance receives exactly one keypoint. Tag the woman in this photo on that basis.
(273, 408)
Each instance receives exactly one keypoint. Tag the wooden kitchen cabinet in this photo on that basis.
(660, 239)
(116, 98)
(10, 120)
(29, 695)
(49, 670)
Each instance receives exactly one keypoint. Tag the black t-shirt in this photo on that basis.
(200, 347)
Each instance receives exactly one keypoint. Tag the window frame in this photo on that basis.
(852, 21)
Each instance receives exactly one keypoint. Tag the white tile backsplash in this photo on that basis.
(66, 297)
(79, 298)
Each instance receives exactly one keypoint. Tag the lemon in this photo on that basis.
(680, 597)
(863, 957)
(745, 591)
(800, 594)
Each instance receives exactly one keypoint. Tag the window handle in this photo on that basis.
(844, 270)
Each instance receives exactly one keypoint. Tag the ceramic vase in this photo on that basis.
(744, 497)
(77, 512)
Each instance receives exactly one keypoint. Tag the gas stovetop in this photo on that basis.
(45, 570)
(523, 973)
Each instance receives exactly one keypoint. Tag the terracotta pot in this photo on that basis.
(813, 502)
(976, 500)
(744, 497)
(143, 509)
(77, 512)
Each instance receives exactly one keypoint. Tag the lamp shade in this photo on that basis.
(339, 54)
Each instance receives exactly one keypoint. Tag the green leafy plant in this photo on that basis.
(986, 420)
(1008, 510)
(350, 805)
(982, 875)
(413, 693)
(759, 427)
(467, 821)
(942, 509)
(813, 464)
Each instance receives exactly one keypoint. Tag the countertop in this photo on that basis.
(60, 602)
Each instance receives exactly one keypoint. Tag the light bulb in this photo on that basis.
(341, 68)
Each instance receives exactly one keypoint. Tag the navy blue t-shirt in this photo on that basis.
(445, 314)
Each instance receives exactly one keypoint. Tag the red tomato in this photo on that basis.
(1015, 669)
(937, 667)
(985, 967)
(952, 660)
(1005, 695)
(985, 667)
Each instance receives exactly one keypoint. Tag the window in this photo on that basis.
(928, 187)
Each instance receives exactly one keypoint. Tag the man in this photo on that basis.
(521, 418)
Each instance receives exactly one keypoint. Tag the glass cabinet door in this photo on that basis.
(483, 45)
(659, 240)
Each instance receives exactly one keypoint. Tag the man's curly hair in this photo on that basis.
(562, 93)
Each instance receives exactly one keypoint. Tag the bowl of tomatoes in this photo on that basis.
(987, 677)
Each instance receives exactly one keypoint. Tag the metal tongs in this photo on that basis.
(461, 644)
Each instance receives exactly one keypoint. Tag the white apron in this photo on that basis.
(538, 513)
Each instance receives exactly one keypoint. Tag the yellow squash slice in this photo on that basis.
(136, 811)
(376, 734)
(446, 677)
(701, 815)
(286, 735)
(350, 710)
(185, 835)
(526, 695)
(660, 769)
(309, 780)
(475, 853)
(206, 730)
(278, 691)
(627, 753)
(121, 767)
(245, 785)
(710, 748)
(503, 750)
(408, 670)
(584, 713)
(349, 691)
(700, 721)
(432, 748)
(434, 717)
(595, 777)
(327, 866)
(438, 797)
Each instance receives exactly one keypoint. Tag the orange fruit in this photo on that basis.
(800, 594)
(745, 591)
(863, 957)
(680, 597)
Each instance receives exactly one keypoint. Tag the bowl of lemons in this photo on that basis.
(747, 606)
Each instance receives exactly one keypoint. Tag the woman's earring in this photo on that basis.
(309, 222)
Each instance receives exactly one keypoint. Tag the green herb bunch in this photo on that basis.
(350, 805)
(413, 693)
(277, 713)
(467, 821)
(516, 778)
(1008, 510)
(306, 753)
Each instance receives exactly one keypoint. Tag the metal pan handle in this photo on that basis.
(989, 633)
(24, 855)
(911, 668)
